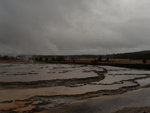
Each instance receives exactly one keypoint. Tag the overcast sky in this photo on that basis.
(74, 26)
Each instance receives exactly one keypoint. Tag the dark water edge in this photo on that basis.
(110, 104)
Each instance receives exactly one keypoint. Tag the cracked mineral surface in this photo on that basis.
(57, 87)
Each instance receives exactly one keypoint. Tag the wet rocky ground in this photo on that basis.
(62, 88)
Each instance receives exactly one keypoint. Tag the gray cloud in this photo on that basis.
(74, 26)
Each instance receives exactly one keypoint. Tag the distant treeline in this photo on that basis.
(7, 57)
(134, 55)
(60, 57)
(144, 55)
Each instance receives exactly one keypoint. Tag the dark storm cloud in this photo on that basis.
(74, 26)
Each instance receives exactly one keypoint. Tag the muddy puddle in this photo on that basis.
(47, 87)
